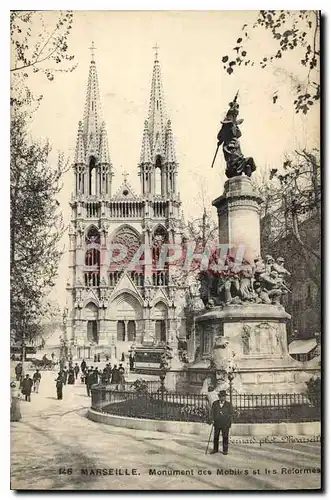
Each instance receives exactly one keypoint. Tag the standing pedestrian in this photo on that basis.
(89, 378)
(18, 371)
(115, 376)
(36, 380)
(121, 378)
(15, 411)
(131, 362)
(71, 376)
(59, 386)
(27, 384)
(64, 375)
(109, 372)
(95, 376)
(83, 366)
(76, 370)
(221, 414)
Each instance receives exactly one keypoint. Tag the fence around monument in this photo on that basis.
(158, 405)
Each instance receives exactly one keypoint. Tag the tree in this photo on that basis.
(291, 228)
(197, 235)
(36, 227)
(39, 43)
(292, 198)
(49, 45)
(297, 31)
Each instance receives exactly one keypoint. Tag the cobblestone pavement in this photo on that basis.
(55, 446)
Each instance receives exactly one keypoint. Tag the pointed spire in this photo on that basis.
(103, 148)
(92, 117)
(170, 155)
(145, 156)
(80, 149)
(157, 113)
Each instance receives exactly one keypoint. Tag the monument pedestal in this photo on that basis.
(255, 342)
(238, 211)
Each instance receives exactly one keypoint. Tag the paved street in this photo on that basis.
(55, 436)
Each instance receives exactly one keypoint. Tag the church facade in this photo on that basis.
(112, 302)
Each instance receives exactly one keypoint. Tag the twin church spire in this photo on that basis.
(157, 166)
(92, 138)
(157, 135)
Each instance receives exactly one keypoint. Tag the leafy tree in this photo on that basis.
(36, 227)
(292, 198)
(39, 44)
(49, 45)
(314, 390)
(291, 228)
(290, 31)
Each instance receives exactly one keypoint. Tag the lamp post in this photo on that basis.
(164, 366)
(65, 343)
(233, 368)
(230, 378)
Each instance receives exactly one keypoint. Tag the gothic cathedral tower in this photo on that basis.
(113, 304)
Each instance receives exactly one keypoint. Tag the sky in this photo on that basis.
(197, 92)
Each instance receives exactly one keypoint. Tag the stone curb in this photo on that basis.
(175, 427)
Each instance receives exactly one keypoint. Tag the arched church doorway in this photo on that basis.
(126, 313)
(92, 323)
(131, 331)
(160, 330)
(92, 331)
(160, 315)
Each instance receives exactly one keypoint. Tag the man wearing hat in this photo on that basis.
(221, 414)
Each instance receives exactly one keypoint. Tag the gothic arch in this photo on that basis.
(159, 300)
(160, 320)
(124, 227)
(160, 237)
(130, 238)
(91, 309)
(159, 227)
(92, 176)
(88, 301)
(158, 173)
(92, 231)
(160, 309)
(116, 298)
(126, 304)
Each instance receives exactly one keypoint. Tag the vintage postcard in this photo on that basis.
(165, 257)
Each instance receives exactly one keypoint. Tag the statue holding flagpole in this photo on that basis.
(228, 136)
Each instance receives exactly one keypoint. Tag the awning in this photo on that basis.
(302, 346)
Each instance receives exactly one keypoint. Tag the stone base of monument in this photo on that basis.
(252, 340)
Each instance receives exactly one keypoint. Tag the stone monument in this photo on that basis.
(244, 319)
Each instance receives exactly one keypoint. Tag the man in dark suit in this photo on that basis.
(221, 414)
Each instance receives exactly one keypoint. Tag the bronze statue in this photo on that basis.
(236, 163)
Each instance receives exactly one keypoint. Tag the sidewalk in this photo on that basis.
(55, 446)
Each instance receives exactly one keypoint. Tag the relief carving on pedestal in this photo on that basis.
(245, 336)
(259, 339)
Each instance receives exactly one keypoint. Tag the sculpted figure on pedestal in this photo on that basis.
(246, 284)
(228, 136)
(279, 267)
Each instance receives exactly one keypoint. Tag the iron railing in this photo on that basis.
(163, 405)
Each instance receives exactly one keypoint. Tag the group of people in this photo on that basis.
(22, 385)
(66, 376)
(109, 375)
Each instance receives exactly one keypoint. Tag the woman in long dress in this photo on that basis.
(71, 377)
(59, 386)
(15, 412)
